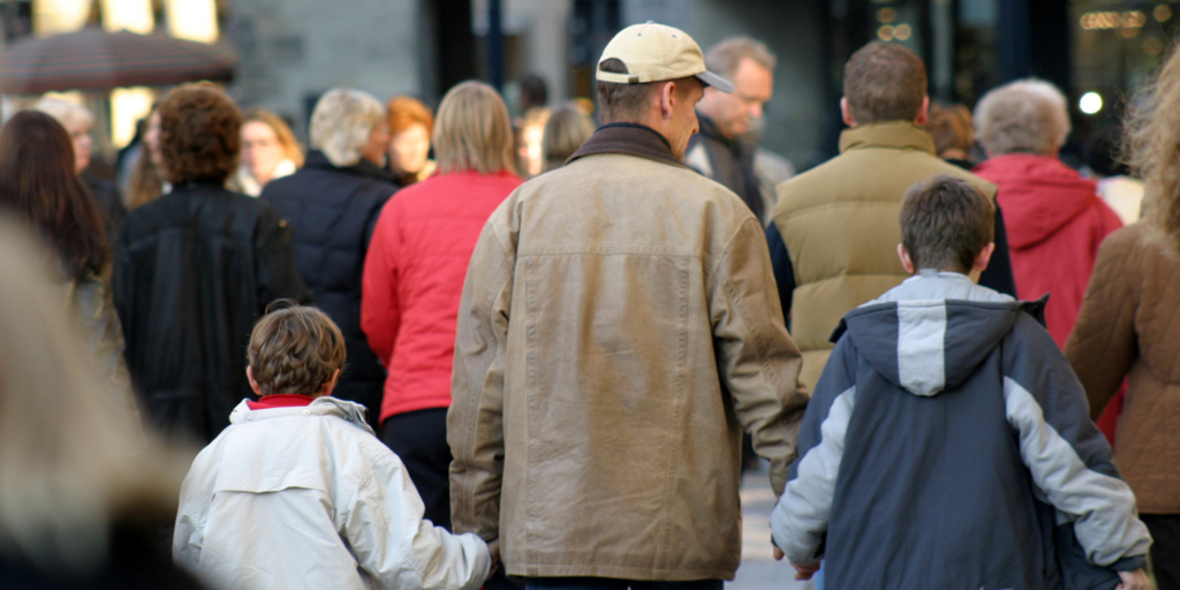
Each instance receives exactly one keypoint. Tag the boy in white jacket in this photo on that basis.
(298, 493)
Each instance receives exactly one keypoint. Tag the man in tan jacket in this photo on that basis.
(618, 329)
(835, 232)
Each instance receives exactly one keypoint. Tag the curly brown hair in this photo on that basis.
(295, 350)
(200, 134)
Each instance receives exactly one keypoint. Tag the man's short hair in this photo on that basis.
(884, 82)
(296, 350)
(945, 224)
(1025, 116)
(200, 134)
(723, 58)
(628, 102)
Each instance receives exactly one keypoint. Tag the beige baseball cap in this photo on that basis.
(653, 53)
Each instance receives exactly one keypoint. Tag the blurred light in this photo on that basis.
(195, 20)
(59, 16)
(885, 33)
(1153, 46)
(1133, 18)
(1127, 33)
(902, 32)
(128, 106)
(1090, 103)
(132, 15)
(1112, 20)
(1162, 13)
(886, 15)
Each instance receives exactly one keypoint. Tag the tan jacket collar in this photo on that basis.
(902, 135)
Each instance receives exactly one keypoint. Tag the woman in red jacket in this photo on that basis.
(414, 275)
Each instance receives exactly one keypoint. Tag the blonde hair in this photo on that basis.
(296, 349)
(72, 459)
(341, 124)
(71, 116)
(473, 131)
(565, 131)
(291, 147)
(1022, 116)
(1153, 124)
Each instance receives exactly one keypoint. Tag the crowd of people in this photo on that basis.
(450, 350)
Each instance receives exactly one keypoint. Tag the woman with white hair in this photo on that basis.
(1054, 217)
(332, 205)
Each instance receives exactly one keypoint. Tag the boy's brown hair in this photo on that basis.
(884, 82)
(296, 350)
(945, 224)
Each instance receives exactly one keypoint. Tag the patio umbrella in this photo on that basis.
(93, 59)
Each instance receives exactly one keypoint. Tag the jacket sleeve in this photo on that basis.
(758, 362)
(475, 420)
(799, 521)
(385, 528)
(380, 308)
(277, 276)
(1102, 345)
(998, 274)
(784, 271)
(95, 311)
(188, 536)
(1068, 457)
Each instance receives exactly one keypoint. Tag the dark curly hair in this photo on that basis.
(200, 134)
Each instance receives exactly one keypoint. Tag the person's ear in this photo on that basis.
(667, 99)
(253, 382)
(847, 114)
(330, 386)
(906, 263)
(983, 258)
(923, 112)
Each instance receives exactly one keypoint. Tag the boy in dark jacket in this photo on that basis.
(948, 443)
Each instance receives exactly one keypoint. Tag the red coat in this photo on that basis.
(1055, 222)
(413, 280)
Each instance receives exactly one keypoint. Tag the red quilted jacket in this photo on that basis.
(413, 280)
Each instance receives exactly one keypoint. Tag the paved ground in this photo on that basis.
(759, 570)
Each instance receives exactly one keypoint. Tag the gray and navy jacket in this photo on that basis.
(948, 445)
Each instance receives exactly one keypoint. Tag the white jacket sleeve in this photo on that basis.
(189, 533)
(392, 542)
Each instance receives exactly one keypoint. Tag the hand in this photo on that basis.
(806, 571)
(494, 549)
(778, 554)
(1135, 580)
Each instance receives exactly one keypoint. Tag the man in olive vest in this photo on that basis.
(834, 234)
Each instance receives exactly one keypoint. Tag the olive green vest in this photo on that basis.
(839, 222)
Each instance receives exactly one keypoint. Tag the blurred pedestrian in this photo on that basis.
(84, 490)
(1127, 325)
(297, 493)
(718, 150)
(269, 151)
(954, 137)
(1117, 187)
(534, 92)
(195, 268)
(617, 332)
(410, 126)
(565, 131)
(1054, 218)
(39, 183)
(996, 422)
(332, 206)
(78, 123)
(414, 278)
(835, 226)
(147, 182)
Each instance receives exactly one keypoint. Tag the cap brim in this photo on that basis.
(715, 81)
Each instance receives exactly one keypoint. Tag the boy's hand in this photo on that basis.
(806, 571)
(778, 554)
(494, 549)
(1135, 580)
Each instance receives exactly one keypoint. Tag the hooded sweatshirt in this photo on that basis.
(948, 445)
(1055, 222)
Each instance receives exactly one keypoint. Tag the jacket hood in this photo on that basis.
(930, 333)
(321, 406)
(1038, 195)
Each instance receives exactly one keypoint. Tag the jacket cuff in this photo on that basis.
(1129, 564)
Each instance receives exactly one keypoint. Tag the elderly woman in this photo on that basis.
(332, 205)
(1054, 218)
(414, 279)
(1127, 325)
(410, 126)
(196, 268)
(269, 151)
(78, 122)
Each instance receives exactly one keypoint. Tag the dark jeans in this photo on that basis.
(1165, 551)
(615, 584)
(420, 440)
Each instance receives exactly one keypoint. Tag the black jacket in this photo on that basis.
(332, 212)
(193, 271)
(731, 162)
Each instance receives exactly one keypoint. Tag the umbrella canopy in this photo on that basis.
(93, 59)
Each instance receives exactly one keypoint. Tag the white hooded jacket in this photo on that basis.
(307, 497)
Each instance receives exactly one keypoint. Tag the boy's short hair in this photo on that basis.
(945, 224)
(296, 350)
